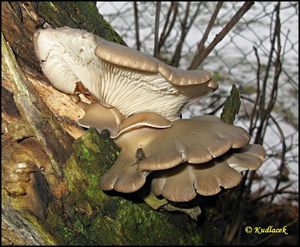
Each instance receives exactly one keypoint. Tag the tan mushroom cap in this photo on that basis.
(133, 59)
(144, 119)
(119, 76)
(100, 117)
(107, 117)
(195, 141)
(184, 182)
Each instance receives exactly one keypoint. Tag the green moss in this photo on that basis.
(89, 216)
(83, 15)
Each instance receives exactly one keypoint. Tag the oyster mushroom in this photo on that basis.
(183, 182)
(138, 99)
(196, 142)
(101, 117)
(116, 75)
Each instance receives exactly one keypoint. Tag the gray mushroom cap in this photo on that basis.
(193, 141)
(184, 182)
(116, 75)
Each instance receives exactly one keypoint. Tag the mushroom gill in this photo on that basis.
(116, 75)
(188, 147)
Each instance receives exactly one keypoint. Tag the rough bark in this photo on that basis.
(50, 192)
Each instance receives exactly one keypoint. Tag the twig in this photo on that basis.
(282, 163)
(137, 26)
(283, 152)
(285, 43)
(254, 109)
(280, 191)
(265, 111)
(199, 59)
(156, 31)
(177, 53)
(167, 29)
(200, 46)
(264, 85)
(185, 27)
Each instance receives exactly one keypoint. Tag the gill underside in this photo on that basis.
(132, 92)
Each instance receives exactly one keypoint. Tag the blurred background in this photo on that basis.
(260, 56)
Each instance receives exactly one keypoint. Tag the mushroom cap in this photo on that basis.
(184, 182)
(100, 117)
(118, 54)
(119, 76)
(194, 141)
(107, 117)
(67, 57)
(144, 119)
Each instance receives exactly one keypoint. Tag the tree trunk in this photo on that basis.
(51, 168)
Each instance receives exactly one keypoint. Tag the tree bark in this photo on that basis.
(51, 167)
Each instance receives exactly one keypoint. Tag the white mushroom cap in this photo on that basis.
(184, 182)
(122, 77)
(67, 57)
(195, 141)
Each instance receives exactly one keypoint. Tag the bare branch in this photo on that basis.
(246, 6)
(137, 26)
(200, 46)
(185, 27)
(156, 31)
(167, 29)
(265, 111)
(280, 191)
(254, 110)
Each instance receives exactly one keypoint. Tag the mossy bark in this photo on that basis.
(50, 192)
(90, 216)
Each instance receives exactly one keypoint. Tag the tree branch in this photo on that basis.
(200, 46)
(167, 29)
(136, 25)
(200, 58)
(156, 29)
(185, 27)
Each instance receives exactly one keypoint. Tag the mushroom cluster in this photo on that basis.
(138, 99)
